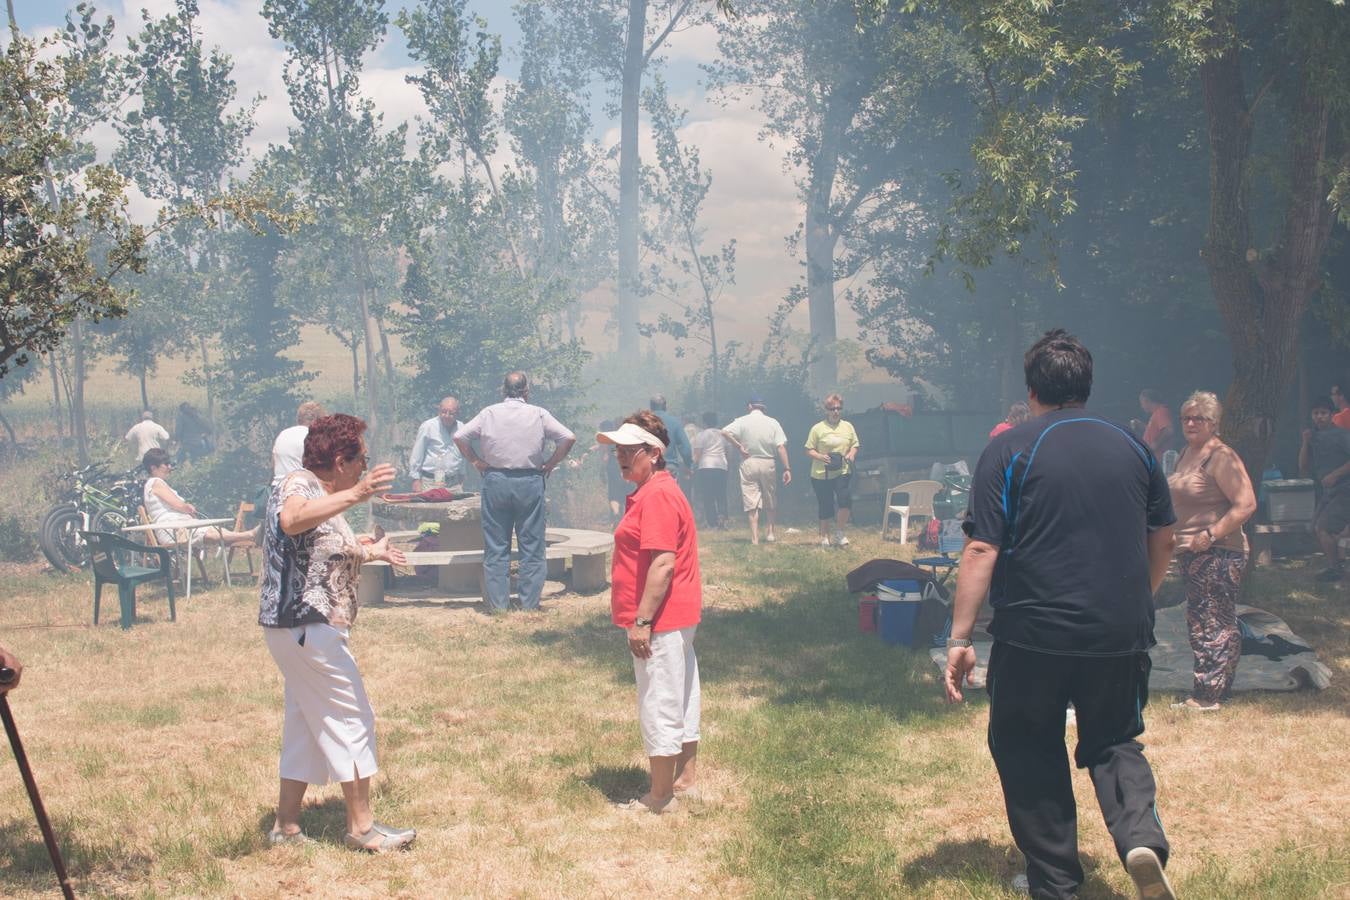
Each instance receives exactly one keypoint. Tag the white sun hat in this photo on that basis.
(629, 435)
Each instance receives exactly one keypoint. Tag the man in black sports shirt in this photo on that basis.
(1070, 534)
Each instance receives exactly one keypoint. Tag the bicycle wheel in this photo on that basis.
(112, 520)
(50, 549)
(61, 541)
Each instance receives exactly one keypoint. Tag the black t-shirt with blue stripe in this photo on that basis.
(1069, 499)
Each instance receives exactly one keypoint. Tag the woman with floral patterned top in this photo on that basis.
(312, 562)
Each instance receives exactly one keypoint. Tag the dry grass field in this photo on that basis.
(830, 766)
(113, 398)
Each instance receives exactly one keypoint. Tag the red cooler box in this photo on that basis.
(867, 612)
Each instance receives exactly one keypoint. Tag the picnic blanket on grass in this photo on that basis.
(1273, 657)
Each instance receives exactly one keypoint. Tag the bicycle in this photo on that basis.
(91, 500)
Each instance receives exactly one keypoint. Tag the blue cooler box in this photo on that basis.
(898, 611)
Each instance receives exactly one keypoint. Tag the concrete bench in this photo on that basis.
(463, 569)
(589, 552)
(1262, 539)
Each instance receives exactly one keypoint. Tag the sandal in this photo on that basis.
(689, 794)
(636, 805)
(276, 837)
(380, 839)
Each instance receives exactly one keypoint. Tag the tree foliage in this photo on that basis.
(60, 254)
(688, 276)
(350, 169)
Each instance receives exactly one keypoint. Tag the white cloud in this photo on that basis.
(695, 43)
(393, 96)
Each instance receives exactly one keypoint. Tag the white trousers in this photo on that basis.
(329, 730)
(668, 697)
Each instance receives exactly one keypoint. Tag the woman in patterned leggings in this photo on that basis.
(1212, 497)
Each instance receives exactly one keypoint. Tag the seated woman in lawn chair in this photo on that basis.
(162, 504)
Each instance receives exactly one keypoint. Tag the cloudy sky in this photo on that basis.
(752, 198)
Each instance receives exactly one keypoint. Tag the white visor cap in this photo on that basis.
(629, 435)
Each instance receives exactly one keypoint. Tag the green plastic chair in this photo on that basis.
(112, 555)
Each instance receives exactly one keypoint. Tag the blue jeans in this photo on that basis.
(513, 500)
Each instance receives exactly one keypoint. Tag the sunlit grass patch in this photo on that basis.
(830, 765)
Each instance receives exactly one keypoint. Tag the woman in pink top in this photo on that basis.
(1212, 497)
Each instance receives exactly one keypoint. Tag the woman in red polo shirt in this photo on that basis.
(657, 598)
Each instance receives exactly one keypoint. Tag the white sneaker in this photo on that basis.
(840, 538)
(825, 543)
(1146, 870)
(770, 538)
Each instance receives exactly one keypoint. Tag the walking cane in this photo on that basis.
(6, 676)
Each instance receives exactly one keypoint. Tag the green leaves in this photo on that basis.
(460, 60)
(61, 244)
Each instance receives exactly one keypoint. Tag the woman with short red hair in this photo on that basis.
(657, 598)
(311, 565)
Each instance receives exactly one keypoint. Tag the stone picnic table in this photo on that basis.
(459, 555)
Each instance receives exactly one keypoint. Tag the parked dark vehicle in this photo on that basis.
(896, 448)
(91, 499)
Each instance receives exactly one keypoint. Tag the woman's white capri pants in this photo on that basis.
(329, 732)
(668, 693)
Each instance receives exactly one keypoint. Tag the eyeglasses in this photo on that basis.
(1195, 420)
(629, 449)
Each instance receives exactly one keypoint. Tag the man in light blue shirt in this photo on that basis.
(512, 455)
(434, 451)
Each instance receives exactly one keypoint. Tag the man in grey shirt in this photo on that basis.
(512, 456)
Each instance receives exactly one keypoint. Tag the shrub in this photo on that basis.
(215, 484)
(17, 544)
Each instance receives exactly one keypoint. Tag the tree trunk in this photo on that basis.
(9, 430)
(388, 373)
(77, 419)
(1012, 380)
(64, 369)
(145, 395)
(820, 243)
(714, 362)
(356, 371)
(1262, 300)
(373, 418)
(822, 235)
(630, 210)
(58, 414)
(206, 369)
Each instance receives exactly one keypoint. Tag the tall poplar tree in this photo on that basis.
(182, 136)
(352, 168)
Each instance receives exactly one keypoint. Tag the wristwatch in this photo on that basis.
(959, 642)
(643, 623)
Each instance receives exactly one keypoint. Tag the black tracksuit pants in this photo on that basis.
(1028, 694)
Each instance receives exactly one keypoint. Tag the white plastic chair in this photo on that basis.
(920, 505)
